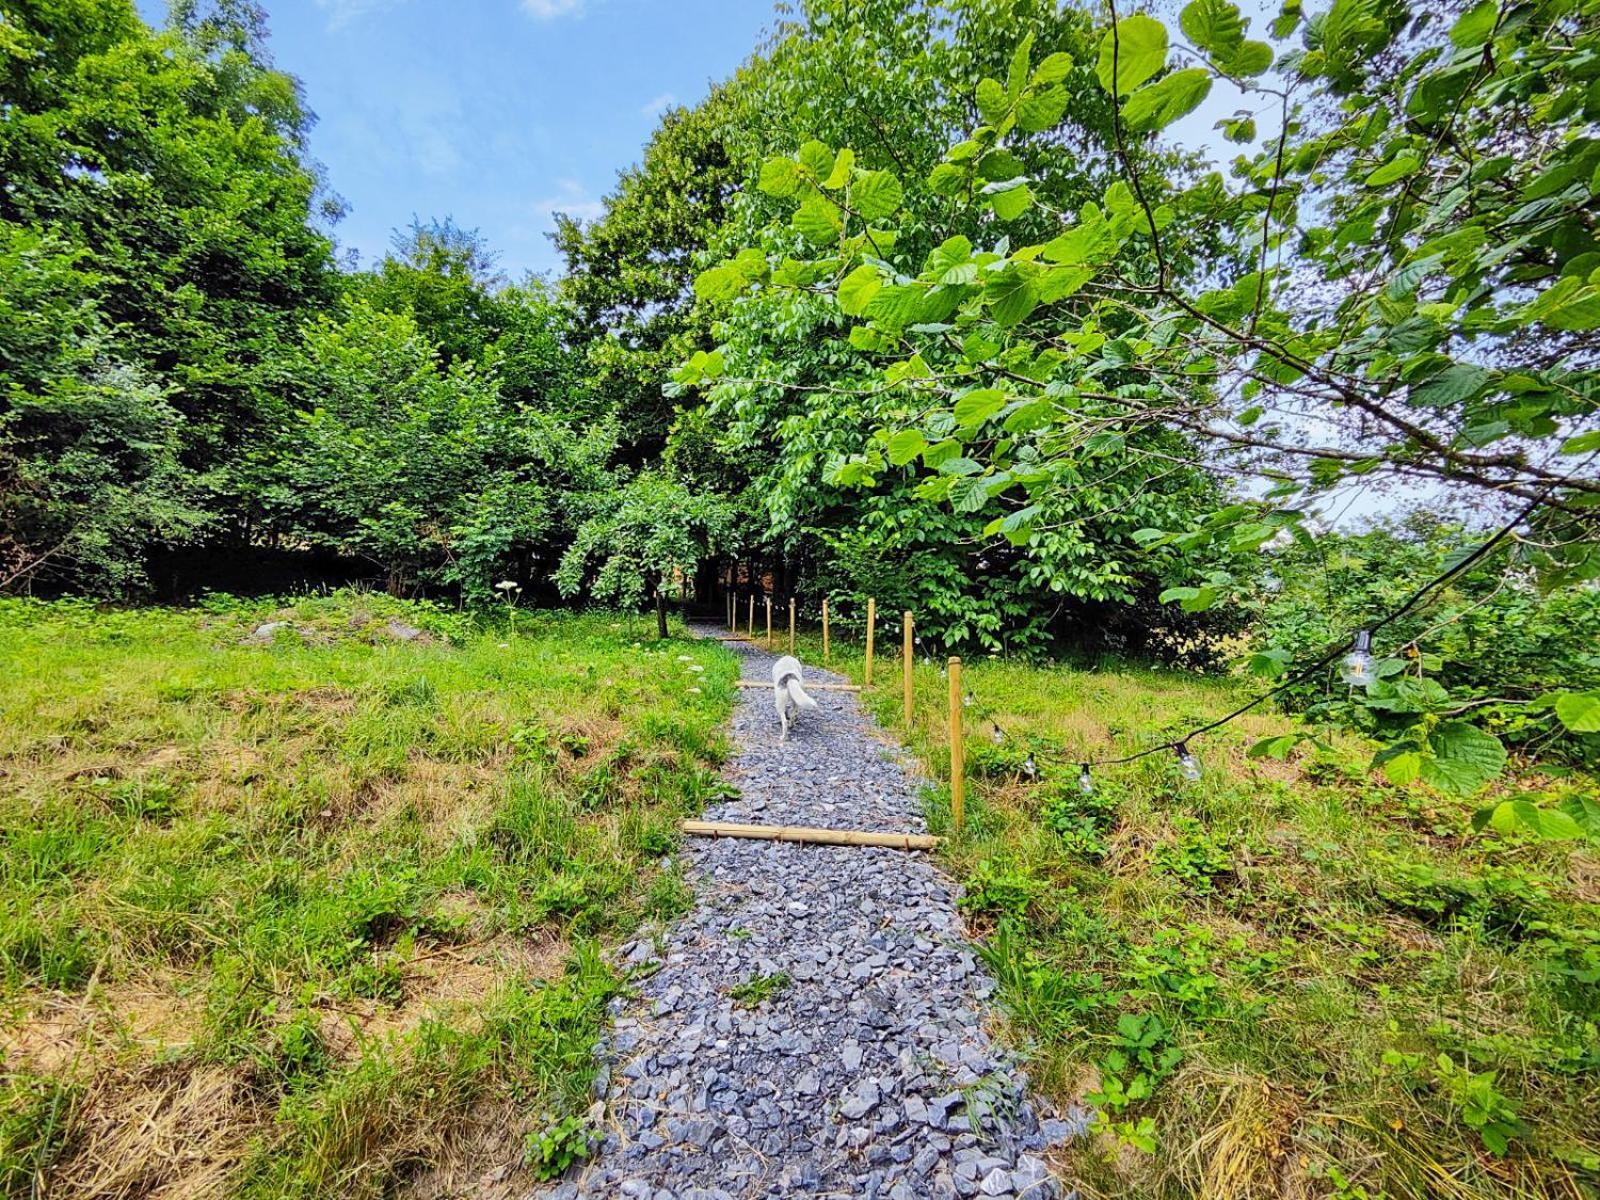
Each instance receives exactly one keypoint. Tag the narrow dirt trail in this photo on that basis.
(868, 1071)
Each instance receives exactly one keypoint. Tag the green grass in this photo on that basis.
(1285, 979)
(758, 989)
(301, 918)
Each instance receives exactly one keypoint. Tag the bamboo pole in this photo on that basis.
(791, 624)
(769, 622)
(872, 621)
(752, 616)
(824, 629)
(817, 837)
(906, 659)
(958, 752)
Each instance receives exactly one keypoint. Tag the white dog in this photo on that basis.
(787, 694)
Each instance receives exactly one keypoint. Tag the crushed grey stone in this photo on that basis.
(870, 1073)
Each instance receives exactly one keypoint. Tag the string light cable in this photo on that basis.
(1355, 651)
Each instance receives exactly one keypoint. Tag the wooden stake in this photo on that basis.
(817, 837)
(733, 614)
(872, 621)
(769, 622)
(824, 629)
(791, 626)
(906, 660)
(752, 616)
(958, 752)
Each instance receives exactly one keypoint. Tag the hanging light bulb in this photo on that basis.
(967, 701)
(999, 735)
(1085, 780)
(1189, 764)
(1029, 767)
(1356, 670)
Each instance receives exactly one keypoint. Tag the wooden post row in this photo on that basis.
(958, 752)
(872, 621)
(906, 660)
(824, 629)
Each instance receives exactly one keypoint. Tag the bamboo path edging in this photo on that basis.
(816, 836)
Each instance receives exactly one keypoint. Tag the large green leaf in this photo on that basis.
(817, 158)
(1579, 711)
(1053, 69)
(1475, 25)
(906, 445)
(1394, 170)
(1040, 110)
(842, 167)
(1571, 305)
(1214, 26)
(1163, 102)
(978, 406)
(896, 306)
(1131, 52)
(993, 103)
(1522, 814)
(1011, 298)
(951, 261)
(818, 221)
(876, 194)
(1464, 757)
(1250, 59)
(779, 177)
(857, 289)
(1010, 203)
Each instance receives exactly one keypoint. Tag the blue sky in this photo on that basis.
(494, 112)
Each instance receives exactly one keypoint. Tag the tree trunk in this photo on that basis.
(661, 614)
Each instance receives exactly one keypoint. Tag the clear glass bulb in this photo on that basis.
(1029, 767)
(998, 735)
(966, 700)
(1085, 780)
(1356, 669)
(1188, 763)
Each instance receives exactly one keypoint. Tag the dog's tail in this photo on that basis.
(797, 693)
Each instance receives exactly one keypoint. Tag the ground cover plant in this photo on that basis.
(304, 898)
(1286, 978)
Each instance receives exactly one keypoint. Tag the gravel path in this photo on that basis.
(868, 1072)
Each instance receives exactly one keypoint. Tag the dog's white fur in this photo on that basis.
(787, 694)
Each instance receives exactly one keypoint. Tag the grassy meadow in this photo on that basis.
(1286, 979)
(317, 912)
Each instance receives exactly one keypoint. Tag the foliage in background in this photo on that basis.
(158, 245)
(1492, 646)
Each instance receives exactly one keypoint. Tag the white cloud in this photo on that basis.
(571, 198)
(346, 12)
(659, 105)
(548, 10)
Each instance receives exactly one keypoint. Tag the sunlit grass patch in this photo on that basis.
(303, 914)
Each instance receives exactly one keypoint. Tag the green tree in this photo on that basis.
(170, 166)
(630, 272)
(798, 392)
(1415, 301)
(637, 539)
(447, 279)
